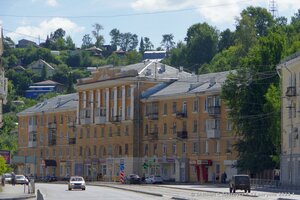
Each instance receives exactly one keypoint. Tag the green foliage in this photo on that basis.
(3, 166)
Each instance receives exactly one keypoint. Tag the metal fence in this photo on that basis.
(263, 183)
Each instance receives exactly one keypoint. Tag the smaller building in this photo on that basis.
(38, 67)
(26, 43)
(43, 87)
(154, 55)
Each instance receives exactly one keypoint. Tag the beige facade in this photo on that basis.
(3, 80)
(289, 71)
(120, 117)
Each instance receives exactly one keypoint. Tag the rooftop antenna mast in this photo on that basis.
(273, 8)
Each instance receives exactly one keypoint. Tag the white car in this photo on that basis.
(76, 182)
(7, 177)
(21, 179)
(154, 179)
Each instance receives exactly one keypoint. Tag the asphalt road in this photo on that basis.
(60, 191)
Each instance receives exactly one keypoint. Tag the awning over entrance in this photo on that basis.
(50, 163)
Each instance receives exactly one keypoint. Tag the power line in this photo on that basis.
(30, 36)
(124, 15)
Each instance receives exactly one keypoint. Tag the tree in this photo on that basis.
(115, 38)
(252, 95)
(3, 166)
(86, 41)
(148, 44)
(168, 42)
(128, 41)
(8, 43)
(226, 40)
(59, 33)
(142, 46)
(202, 43)
(70, 45)
(98, 37)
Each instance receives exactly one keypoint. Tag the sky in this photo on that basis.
(35, 19)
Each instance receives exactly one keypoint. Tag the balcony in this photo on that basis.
(84, 121)
(32, 128)
(182, 134)
(52, 125)
(213, 133)
(153, 135)
(152, 116)
(181, 114)
(290, 91)
(32, 143)
(116, 119)
(52, 142)
(72, 140)
(214, 110)
(100, 119)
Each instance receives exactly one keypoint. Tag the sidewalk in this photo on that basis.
(16, 192)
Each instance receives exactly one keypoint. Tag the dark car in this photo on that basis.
(133, 179)
(239, 182)
(50, 178)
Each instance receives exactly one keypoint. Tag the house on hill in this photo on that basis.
(43, 87)
(26, 43)
(37, 67)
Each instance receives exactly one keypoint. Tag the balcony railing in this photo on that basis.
(153, 135)
(116, 119)
(32, 143)
(214, 110)
(72, 140)
(213, 133)
(32, 128)
(182, 134)
(52, 125)
(181, 114)
(290, 91)
(52, 142)
(153, 116)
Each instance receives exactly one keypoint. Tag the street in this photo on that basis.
(117, 191)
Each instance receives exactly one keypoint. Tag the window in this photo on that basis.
(195, 105)
(174, 127)
(164, 149)
(195, 126)
(217, 146)
(126, 149)
(128, 111)
(126, 130)
(110, 132)
(118, 131)
(154, 149)
(146, 150)
(195, 147)
(81, 133)
(165, 109)
(174, 108)
(88, 132)
(184, 147)
(206, 146)
(102, 132)
(94, 150)
(128, 92)
(95, 132)
(165, 131)
(229, 125)
(174, 148)
(61, 119)
(146, 130)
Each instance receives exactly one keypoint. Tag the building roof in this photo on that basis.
(58, 103)
(195, 84)
(46, 82)
(152, 69)
(42, 61)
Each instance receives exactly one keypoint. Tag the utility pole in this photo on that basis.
(273, 8)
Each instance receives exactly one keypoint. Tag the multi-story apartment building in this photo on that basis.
(47, 137)
(148, 117)
(186, 135)
(289, 70)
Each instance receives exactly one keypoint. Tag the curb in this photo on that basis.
(18, 197)
(127, 189)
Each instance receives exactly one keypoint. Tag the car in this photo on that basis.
(154, 179)
(76, 182)
(239, 182)
(21, 179)
(7, 177)
(133, 179)
(50, 178)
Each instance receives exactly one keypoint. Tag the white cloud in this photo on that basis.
(45, 28)
(52, 3)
